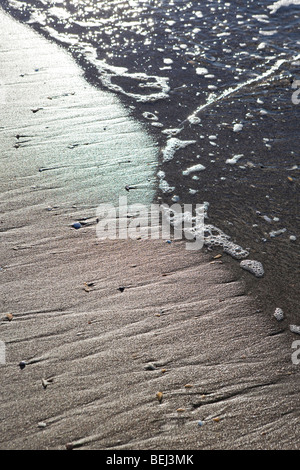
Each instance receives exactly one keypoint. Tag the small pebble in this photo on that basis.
(200, 423)
(45, 383)
(180, 410)
(295, 329)
(42, 425)
(278, 314)
(293, 238)
(77, 225)
(9, 317)
(150, 366)
(22, 365)
(159, 396)
(216, 420)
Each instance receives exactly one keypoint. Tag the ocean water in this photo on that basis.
(217, 85)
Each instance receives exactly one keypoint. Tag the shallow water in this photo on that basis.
(221, 78)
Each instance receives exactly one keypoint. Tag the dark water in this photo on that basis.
(222, 75)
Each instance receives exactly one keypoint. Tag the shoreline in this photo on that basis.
(184, 324)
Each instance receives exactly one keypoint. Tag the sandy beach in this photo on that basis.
(94, 356)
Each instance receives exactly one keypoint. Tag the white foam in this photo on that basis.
(267, 33)
(254, 267)
(213, 236)
(193, 191)
(61, 37)
(213, 98)
(174, 144)
(275, 233)
(107, 72)
(234, 159)
(194, 120)
(201, 71)
(171, 132)
(192, 169)
(163, 184)
(238, 127)
(59, 13)
(282, 3)
(150, 116)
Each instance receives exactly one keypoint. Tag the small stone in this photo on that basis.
(293, 238)
(88, 286)
(216, 420)
(22, 365)
(9, 317)
(150, 366)
(180, 410)
(159, 396)
(45, 383)
(295, 329)
(121, 289)
(188, 385)
(278, 314)
(69, 446)
(42, 425)
(77, 225)
(200, 423)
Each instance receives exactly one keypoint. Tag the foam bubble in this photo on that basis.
(193, 168)
(163, 184)
(254, 267)
(173, 145)
(234, 159)
(201, 71)
(150, 116)
(238, 127)
(275, 233)
(282, 3)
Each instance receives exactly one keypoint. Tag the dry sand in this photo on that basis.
(186, 316)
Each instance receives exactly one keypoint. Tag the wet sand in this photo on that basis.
(96, 355)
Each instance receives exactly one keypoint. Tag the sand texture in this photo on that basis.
(103, 326)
